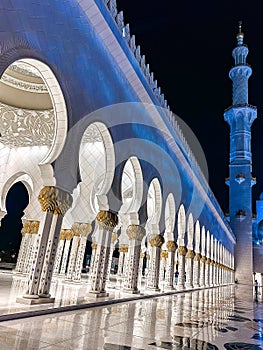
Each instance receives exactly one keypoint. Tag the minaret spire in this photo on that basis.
(240, 117)
(240, 35)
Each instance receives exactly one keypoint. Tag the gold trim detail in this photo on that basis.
(190, 254)
(55, 200)
(156, 241)
(171, 246)
(107, 220)
(123, 248)
(135, 232)
(182, 250)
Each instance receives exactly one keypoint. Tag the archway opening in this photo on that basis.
(10, 231)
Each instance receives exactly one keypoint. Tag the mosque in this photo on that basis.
(114, 190)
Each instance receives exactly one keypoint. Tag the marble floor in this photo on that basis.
(202, 319)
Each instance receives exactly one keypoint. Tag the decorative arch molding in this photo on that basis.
(190, 232)
(59, 106)
(97, 166)
(18, 177)
(203, 241)
(181, 225)
(208, 245)
(169, 213)
(197, 235)
(154, 196)
(131, 186)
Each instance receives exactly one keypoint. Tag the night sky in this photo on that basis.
(188, 45)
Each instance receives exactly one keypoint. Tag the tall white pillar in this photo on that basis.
(59, 252)
(202, 271)
(135, 234)
(196, 270)
(156, 242)
(106, 221)
(55, 203)
(84, 230)
(68, 235)
(73, 251)
(189, 268)
(181, 267)
(207, 272)
(169, 276)
(23, 247)
(33, 245)
(123, 250)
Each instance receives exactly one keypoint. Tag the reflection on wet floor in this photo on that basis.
(201, 320)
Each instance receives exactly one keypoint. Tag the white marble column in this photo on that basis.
(202, 271)
(84, 230)
(23, 247)
(142, 255)
(135, 234)
(211, 272)
(68, 235)
(73, 252)
(169, 276)
(207, 272)
(181, 267)
(196, 270)
(189, 269)
(55, 203)
(106, 221)
(114, 238)
(123, 250)
(59, 252)
(32, 246)
(156, 242)
(162, 272)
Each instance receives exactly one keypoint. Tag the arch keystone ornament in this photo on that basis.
(106, 222)
(55, 203)
(135, 234)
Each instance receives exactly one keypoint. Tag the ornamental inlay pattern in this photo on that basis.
(24, 85)
(25, 127)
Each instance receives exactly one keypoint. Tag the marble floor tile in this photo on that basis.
(207, 319)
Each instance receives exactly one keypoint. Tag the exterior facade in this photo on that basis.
(88, 132)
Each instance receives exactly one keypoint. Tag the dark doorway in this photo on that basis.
(10, 231)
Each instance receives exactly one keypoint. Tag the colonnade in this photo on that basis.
(47, 250)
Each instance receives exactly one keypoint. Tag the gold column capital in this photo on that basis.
(75, 229)
(114, 237)
(34, 227)
(208, 261)
(171, 246)
(203, 259)
(164, 254)
(197, 257)
(85, 229)
(142, 255)
(190, 254)
(107, 220)
(156, 241)
(94, 245)
(123, 248)
(55, 200)
(66, 234)
(135, 232)
(182, 250)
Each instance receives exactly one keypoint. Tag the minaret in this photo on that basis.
(240, 117)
